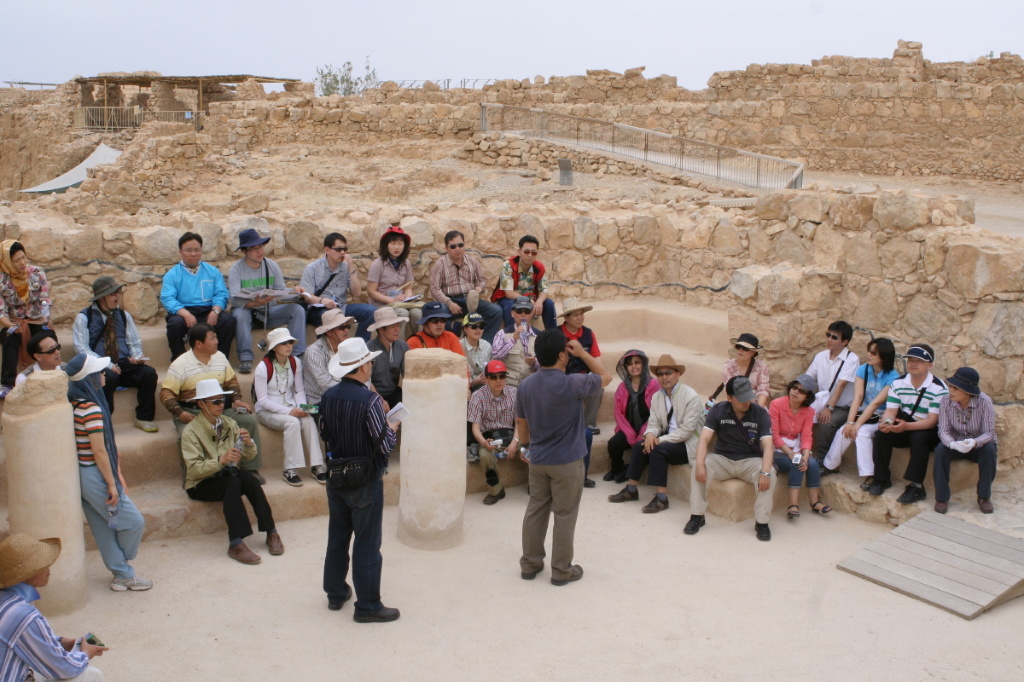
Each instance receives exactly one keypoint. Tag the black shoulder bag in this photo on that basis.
(319, 292)
(350, 473)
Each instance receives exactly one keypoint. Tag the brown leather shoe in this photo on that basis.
(491, 499)
(243, 554)
(656, 505)
(941, 507)
(625, 496)
(985, 505)
(274, 544)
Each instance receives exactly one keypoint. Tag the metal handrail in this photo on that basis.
(649, 146)
(121, 118)
(447, 83)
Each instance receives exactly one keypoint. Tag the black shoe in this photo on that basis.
(527, 575)
(695, 523)
(911, 494)
(577, 573)
(764, 533)
(610, 476)
(491, 499)
(384, 614)
(825, 471)
(589, 483)
(878, 487)
(622, 476)
(336, 604)
(258, 477)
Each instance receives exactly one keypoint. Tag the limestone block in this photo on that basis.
(490, 235)
(726, 238)
(253, 203)
(816, 293)
(433, 482)
(861, 257)
(900, 210)
(808, 206)
(584, 232)
(731, 499)
(305, 238)
(42, 244)
(929, 319)
(43, 484)
(900, 257)
(779, 291)
(879, 309)
(646, 230)
(790, 247)
(141, 301)
(420, 232)
(978, 266)
(774, 331)
(568, 265)
(829, 247)
(214, 246)
(998, 329)
(934, 252)
(157, 246)
(84, 245)
(773, 206)
(851, 211)
(744, 281)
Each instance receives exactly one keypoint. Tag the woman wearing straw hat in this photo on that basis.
(26, 640)
(280, 396)
(115, 522)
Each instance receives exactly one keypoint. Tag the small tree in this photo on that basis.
(332, 80)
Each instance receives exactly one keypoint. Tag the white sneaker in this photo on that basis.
(135, 584)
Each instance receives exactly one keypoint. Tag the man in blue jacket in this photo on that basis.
(194, 291)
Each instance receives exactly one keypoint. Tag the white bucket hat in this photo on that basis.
(278, 336)
(385, 317)
(352, 354)
(208, 388)
(92, 364)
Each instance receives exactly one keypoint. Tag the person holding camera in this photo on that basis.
(911, 420)
(204, 361)
(491, 414)
(213, 447)
(359, 439)
(792, 434)
(28, 645)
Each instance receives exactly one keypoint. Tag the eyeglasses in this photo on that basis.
(503, 375)
(872, 351)
(665, 373)
(834, 337)
(339, 249)
(435, 320)
(51, 351)
(460, 245)
(192, 252)
(476, 325)
(530, 253)
(218, 401)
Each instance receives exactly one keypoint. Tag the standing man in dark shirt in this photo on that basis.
(353, 424)
(743, 450)
(549, 416)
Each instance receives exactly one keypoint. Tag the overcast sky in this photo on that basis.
(54, 40)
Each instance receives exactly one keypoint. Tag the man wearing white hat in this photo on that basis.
(359, 440)
(334, 328)
(390, 365)
(26, 640)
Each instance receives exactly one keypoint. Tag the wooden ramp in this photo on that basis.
(944, 561)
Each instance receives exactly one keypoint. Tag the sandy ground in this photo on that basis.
(653, 604)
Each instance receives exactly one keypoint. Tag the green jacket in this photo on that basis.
(201, 449)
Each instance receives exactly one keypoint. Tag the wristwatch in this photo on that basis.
(766, 473)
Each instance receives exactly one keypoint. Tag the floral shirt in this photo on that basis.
(758, 375)
(38, 292)
(525, 287)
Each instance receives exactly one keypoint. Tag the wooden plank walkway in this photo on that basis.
(952, 564)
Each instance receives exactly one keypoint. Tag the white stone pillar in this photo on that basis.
(43, 489)
(432, 464)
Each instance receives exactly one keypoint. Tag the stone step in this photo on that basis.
(700, 330)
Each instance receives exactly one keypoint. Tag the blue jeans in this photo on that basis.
(362, 312)
(547, 313)
(117, 546)
(358, 512)
(290, 314)
(783, 464)
(986, 456)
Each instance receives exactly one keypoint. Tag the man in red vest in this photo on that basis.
(523, 275)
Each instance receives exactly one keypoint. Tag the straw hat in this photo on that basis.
(352, 354)
(208, 388)
(385, 317)
(572, 304)
(22, 556)
(666, 361)
(331, 319)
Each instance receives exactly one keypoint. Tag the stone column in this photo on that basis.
(43, 490)
(433, 453)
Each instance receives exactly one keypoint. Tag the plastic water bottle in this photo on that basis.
(499, 451)
(45, 312)
(239, 443)
(524, 452)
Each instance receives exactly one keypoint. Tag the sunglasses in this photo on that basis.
(666, 373)
(801, 391)
(289, 342)
(436, 320)
(530, 253)
(218, 401)
(344, 327)
(834, 337)
(476, 325)
(51, 351)
(497, 376)
(739, 347)
(339, 249)
(460, 245)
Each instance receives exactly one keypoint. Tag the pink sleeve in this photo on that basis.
(621, 423)
(775, 412)
(761, 377)
(807, 428)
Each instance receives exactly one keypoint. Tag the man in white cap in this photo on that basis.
(26, 640)
(389, 368)
(334, 328)
(212, 447)
(359, 440)
(251, 275)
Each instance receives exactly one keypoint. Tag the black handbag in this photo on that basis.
(349, 473)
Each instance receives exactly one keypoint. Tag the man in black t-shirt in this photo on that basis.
(743, 450)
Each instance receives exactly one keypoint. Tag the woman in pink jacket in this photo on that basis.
(632, 408)
(792, 424)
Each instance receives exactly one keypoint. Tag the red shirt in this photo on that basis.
(595, 350)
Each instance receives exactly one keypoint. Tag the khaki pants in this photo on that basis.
(555, 490)
(490, 463)
(721, 468)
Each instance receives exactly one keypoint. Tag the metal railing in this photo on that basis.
(448, 83)
(51, 86)
(120, 118)
(648, 146)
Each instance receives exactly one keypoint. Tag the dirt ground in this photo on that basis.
(653, 604)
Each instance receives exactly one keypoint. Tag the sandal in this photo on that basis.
(820, 507)
(793, 511)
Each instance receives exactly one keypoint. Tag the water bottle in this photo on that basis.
(524, 452)
(45, 312)
(239, 443)
(499, 451)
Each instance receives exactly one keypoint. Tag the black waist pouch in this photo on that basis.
(349, 473)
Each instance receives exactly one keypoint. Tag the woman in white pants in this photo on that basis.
(279, 398)
(870, 390)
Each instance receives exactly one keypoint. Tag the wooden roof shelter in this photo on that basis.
(146, 80)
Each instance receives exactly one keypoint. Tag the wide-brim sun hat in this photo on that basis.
(22, 556)
(83, 364)
(573, 304)
(278, 336)
(208, 388)
(249, 238)
(105, 286)
(967, 380)
(748, 341)
(351, 355)
(332, 319)
(666, 361)
(385, 317)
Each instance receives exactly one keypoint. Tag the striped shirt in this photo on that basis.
(316, 378)
(187, 371)
(492, 412)
(352, 419)
(448, 279)
(978, 421)
(88, 420)
(28, 642)
(903, 396)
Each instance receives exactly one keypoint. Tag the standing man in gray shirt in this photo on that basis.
(253, 274)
